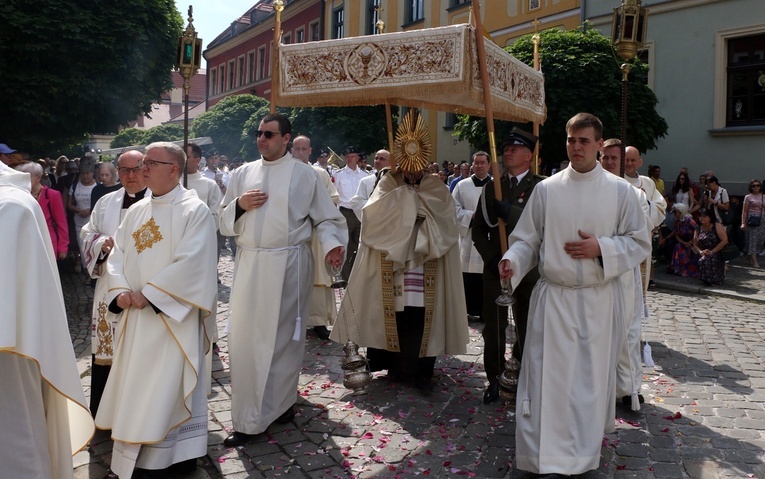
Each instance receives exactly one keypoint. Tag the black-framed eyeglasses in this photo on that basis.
(152, 163)
(267, 134)
(124, 170)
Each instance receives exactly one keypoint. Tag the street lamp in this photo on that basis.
(189, 61)
(627, 36)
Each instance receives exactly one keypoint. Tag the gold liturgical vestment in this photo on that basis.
(410, 226)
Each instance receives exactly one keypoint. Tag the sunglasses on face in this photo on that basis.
(267, 134)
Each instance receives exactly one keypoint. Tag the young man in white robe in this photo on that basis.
(162, 279)
(323, 307)
(97, 243)
(629, 367)
(43, 414)
(273, 206)
(405, 299)
(566, 390)
(466, 195)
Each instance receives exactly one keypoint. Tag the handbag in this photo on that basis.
(730, 252)
(756, 220)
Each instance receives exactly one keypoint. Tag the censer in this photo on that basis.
(354, 364)
(508, 380)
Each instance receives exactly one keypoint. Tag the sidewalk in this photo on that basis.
(741, 281)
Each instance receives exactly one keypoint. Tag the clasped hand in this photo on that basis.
(130, 299)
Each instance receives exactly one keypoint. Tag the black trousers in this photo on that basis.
(473, 283)
(407, 364)
(495, 324)
(98, 376)
(354, 230)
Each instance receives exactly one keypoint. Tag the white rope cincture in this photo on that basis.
(647, 359)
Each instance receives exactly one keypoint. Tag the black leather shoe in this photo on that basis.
(287, 417)
(238, 438)
(321, 331)
(491, 394)
(184, 467)
(473, 318)
(627, 400)
(139, 473)
(424, 384)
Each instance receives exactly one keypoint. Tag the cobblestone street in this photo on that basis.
(704, 415)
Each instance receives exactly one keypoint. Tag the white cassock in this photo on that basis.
(363, 192)
(209, 192)
(629, 366)
(42, 405)
(566, 390)
(323, 309)
(657, 211)
(104, 219)
(272, 283)
(466, 195)
(154, 401)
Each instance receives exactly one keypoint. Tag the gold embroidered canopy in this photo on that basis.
(429, 68)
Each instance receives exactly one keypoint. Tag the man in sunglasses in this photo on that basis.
(273, 206)
(97, 244)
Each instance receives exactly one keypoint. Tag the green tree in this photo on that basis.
(167, 132)
(128, 137)
(225, 122)
(73, 68)
(337, 127)
(581, 75)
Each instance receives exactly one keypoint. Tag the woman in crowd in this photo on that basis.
(684, 261)
(682, 192)
(53, 208)
(751, 221)
(710, 239)
(107, 177)
(78, 202)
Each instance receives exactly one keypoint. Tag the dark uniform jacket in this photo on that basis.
(486, 237)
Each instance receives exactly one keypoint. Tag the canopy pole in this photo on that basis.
(389, 119)
(278, 7)
(476, 14)
(537, 66)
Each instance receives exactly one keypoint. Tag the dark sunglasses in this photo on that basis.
(267, 134)
(756, 185)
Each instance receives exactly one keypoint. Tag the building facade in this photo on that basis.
(707, 63)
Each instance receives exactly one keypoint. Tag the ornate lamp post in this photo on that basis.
(627, 36)
(189, 61)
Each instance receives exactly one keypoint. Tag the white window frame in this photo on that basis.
(721, 69)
